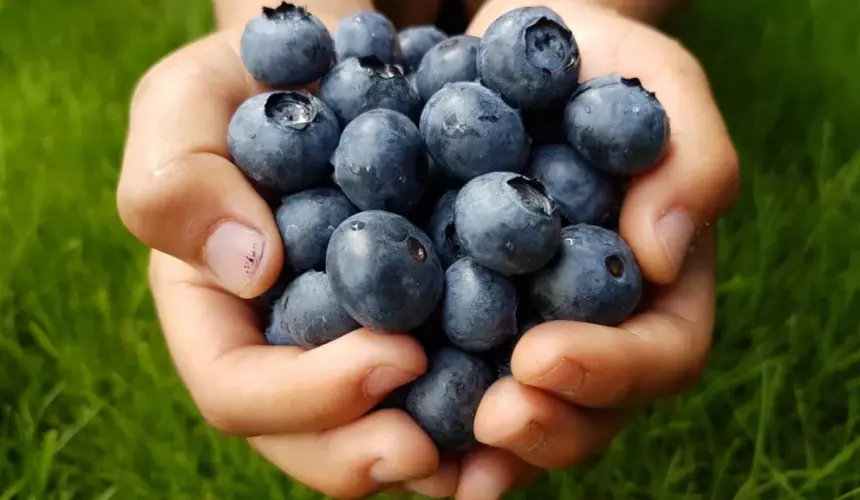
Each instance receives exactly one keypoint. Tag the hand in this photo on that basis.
(215, 242)
(573, 383)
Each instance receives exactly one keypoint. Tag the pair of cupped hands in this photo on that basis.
(215, 246)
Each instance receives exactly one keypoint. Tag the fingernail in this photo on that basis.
(676, 229)
(233, 253)
(384, 379)
(526, 439)
(384, 472)
(566, 376)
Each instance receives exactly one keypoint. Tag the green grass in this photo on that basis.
(90, 406)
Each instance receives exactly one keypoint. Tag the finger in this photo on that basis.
(442, 484)
(540, 429)
(699, 177)
(178, 193)
(489, 473)
(357, 459)
(243, 386)
(652, 355)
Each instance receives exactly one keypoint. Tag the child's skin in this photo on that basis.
(215, 243)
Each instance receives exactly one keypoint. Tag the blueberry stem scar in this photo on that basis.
(285, 11)
(291, 109)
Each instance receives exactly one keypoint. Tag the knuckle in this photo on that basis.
(150, 194)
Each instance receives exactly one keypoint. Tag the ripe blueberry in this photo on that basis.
(530, 57)
(384, 271)
(286, 46)
(507, 222)
(470, 131)
(380, 163)
(367, 34)
(416, 41)
(479, 307)
(306, 221)
(283, 140)
(308, 314)
(453, 60)
(596, 279)
(357, 85)
(583, 194)
(444, 400)
(617, 125)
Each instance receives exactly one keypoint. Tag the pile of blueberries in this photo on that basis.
(460, 189)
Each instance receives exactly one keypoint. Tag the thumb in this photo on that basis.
(665, 209)
(178, 193)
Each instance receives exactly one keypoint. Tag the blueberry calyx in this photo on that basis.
(545, 35)
(532, 194)
(294, 109)
(614, 266)
(285, 11)
(416, 249)
(378, 67)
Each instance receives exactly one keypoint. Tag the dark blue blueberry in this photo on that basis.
(367, 34)
(286, 46)
(384, 271)
(617, 125)
(454, 60)
(479, 307)
(356, 86)
(530, 57)
(306, 221)
(380, 163)
(507, 222)
(442, 231)
(470, 131)
(283, 140)
(309, 314)
(444, 400)
(583, 194)
(416, 41)
(430, 334)
(596, 279)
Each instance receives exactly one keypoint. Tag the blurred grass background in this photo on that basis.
(90, 406)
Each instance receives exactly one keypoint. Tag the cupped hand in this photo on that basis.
(215, 243)
(573, 383)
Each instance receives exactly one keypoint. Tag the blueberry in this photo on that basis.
(358, 85)
(583, 194)
(596, 279)
(380, 163)
(443, 232)
(470, 131)
(416, 41)
(507, 222)
(530, 57)
(444, 400)
(454, 60)
(306, 221)
(384, 271)
(479, 307)
(309, 313)
(286, 46)
(284, 140)
(617, 125)
(367, 34)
